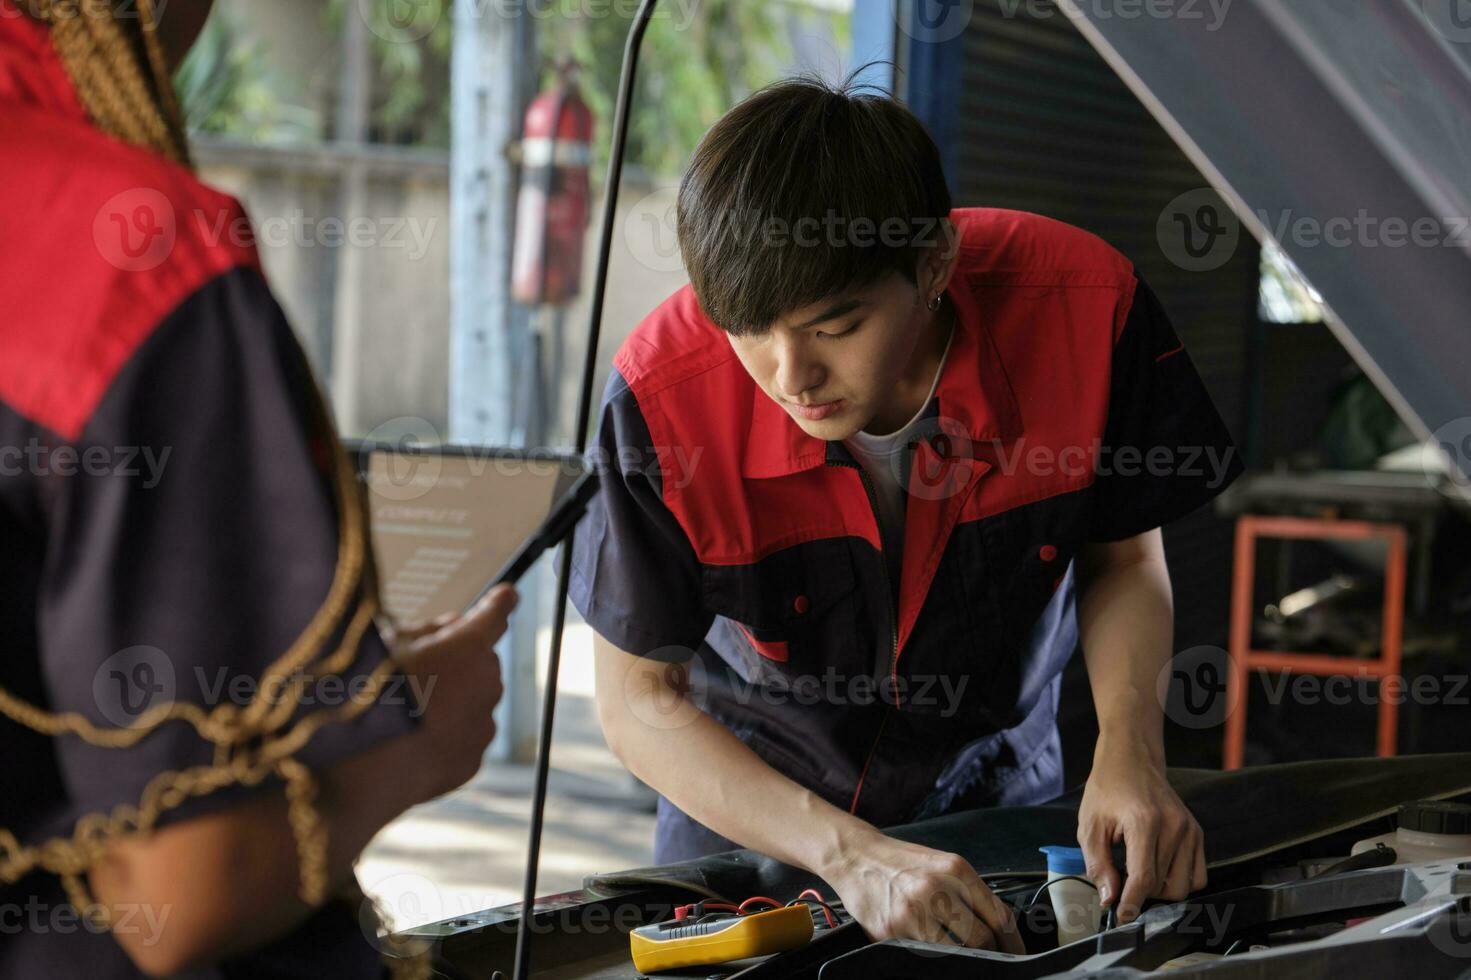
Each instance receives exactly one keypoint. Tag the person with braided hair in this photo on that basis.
(184, 563)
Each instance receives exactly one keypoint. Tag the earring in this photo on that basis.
(934, 303)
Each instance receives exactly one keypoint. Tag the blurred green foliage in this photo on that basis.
(698, 60)
(1286, 295)
(226, 86)
(412, 44)
(700, 57)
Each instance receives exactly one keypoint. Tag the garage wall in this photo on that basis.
(1295, 400)
(1028, 116)
(1041, 123)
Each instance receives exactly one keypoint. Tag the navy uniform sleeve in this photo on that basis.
(635, 578)
(1165, 449)
(193, 561)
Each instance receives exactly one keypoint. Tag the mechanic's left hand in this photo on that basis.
(1128, 799)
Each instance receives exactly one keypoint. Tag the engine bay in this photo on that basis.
(1346, 868)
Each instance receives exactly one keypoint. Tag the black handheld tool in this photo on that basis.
(631, 51)
(564, 516)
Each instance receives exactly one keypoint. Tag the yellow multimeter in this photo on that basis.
(679, 943)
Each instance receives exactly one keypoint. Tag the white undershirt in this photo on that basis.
(886, 460)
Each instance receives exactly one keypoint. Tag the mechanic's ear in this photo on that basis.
(937, 262)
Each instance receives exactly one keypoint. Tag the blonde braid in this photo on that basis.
(163, 79)
(250, 743)
(121, 75)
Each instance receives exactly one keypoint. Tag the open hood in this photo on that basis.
(1332, 127)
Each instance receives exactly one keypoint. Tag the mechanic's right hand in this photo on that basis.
(898, 890)
(456, 672)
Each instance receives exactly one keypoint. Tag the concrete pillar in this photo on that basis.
(492, 80)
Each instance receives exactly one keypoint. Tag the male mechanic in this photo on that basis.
(871, 478)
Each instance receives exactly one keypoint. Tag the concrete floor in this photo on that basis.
(466, 851)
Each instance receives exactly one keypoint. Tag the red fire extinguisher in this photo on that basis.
(553, 208)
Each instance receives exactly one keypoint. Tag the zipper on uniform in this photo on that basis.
(884, 564)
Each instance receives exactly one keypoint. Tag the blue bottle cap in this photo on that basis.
(1064, 860)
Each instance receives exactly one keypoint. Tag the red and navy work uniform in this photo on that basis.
(167, 528)
(724, 537)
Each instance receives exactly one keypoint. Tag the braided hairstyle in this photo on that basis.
(122, 79)
(117, 64)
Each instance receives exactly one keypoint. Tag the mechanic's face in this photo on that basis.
(852, 361)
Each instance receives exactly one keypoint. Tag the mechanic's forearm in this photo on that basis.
(716, 779)
(1126, 623)
(227, 882)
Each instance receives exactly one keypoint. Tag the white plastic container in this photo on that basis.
(1428, 831)
(1075, 903)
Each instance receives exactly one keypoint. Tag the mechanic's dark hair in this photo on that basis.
(805, 190)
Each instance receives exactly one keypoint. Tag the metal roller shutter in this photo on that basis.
(1043, 124)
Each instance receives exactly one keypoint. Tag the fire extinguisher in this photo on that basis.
(553, 208)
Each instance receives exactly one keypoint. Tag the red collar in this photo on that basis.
(31, 72)
(974, 392)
